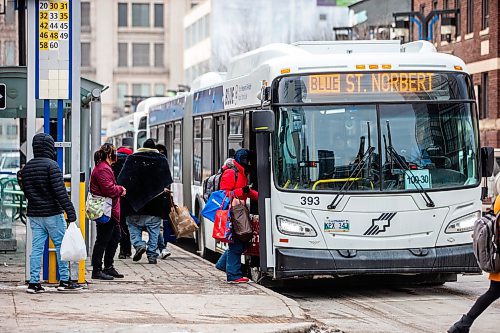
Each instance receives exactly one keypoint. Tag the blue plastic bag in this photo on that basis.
(168, 232)
(214, 203)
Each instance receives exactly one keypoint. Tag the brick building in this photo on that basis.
(476, 41)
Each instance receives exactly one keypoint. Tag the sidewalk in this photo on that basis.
(183, 293)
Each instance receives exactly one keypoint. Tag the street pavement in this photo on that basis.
(384, 306)
(183, 293)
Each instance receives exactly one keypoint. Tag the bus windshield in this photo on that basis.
(376, 147)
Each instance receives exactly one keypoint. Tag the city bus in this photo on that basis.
(134, 128)
(368, 156)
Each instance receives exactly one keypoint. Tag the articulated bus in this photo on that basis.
(368, 156)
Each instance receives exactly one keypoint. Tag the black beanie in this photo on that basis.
(149, 143)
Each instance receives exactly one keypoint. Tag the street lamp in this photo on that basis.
(425, 23)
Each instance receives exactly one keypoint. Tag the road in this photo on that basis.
(382, 307)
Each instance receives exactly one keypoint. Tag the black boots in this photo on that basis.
(461, 326)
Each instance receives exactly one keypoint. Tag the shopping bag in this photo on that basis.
(242, 227)
(253, 246)
(217, 200)
(73, 246)
(181, 220)
(222, 226)
(98, 208)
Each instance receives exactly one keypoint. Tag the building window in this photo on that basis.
(122, 54)
(140, 15)
(10, 53)
(85, 50)
(10, 15)
(486, 15)
(483, 96)
(322, 17)
(121, 92)
(459, 16)
(140, 54)
(470, 16)
(159, 89)
(85, 15)
(159, 55)
(122, 14)
(159, 15)
(141, 89)
(446, 4)
(434, 4)
(11, 129)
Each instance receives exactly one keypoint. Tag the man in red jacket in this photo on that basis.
(230, 261)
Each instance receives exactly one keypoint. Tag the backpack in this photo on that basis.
(485, 243)
(212, 183)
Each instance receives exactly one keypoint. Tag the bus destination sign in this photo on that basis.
(359, 83)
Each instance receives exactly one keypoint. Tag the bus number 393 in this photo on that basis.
(309, 201)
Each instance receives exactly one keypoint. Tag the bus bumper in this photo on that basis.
(308, 262)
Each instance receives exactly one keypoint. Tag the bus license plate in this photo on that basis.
(337, 226)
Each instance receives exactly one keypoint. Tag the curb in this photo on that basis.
(292, 305)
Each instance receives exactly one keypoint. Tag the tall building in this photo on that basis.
(474, 37)
(217, 30)
(134, 47)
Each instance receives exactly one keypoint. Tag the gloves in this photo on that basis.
(246, 189)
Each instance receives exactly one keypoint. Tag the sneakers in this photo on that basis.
(69, 286)
(152, 261)
(240, 280)
(111, 271)
(165, 254)
(100, 275)
(35, 288)
(138, 253)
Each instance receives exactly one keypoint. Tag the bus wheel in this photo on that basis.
(200, 238)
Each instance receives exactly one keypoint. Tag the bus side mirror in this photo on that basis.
(263, 121)
(487, 161)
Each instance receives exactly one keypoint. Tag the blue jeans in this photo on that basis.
(41, 228)
(162, 243)
(230, 261)
(136, 223)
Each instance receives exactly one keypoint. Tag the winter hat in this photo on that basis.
(243, 157)
(125, 150)
(149, 143)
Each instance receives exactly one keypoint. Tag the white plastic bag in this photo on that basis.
(73, 246)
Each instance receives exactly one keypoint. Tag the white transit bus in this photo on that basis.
(368, 156)
(134, 128)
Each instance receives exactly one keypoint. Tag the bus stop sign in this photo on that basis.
(3, 96)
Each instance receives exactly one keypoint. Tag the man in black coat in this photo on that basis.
(43, 186)
(146, 176)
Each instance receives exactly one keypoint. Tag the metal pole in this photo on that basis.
(95, 144)
(30, 112)
(21, 39)
(84, 162)
(75, 60)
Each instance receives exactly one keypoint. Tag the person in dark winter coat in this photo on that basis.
(103, 184)
(230, 261)
(162, 243)
(43, 186)
(146, 176)
(125, 246)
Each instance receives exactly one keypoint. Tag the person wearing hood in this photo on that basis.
(230, 261)
(125, 246)
(43, 186)
(146, 176)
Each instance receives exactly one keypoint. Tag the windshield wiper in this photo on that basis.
(354, 174)
(395, 156)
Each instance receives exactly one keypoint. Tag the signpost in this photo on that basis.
(3, 96)
(54, 75)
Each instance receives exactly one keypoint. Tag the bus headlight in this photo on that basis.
(293, 227)
(463, 224)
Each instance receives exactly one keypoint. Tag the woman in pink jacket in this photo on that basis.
(103, 184)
